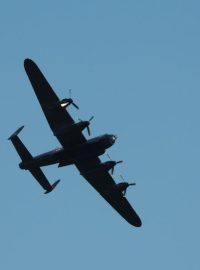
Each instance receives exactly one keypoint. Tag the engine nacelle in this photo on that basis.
(61, 103)
(65, 102)
(74, 128)
(122, 187)
(105, 166)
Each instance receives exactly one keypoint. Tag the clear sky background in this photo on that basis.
(135, 66)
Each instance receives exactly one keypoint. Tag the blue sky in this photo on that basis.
(134, 65)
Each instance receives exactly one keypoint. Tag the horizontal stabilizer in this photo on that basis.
(16, 133)
(19, 146)
(52, 187)
(42, 180)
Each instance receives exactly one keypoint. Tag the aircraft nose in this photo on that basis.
(113, 138)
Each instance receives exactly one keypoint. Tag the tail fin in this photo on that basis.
(19, 146)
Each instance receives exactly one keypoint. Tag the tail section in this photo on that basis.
(28, 162)
(19, 146)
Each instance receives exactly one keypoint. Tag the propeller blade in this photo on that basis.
(91, 118)
(122, 177)
(132, 184)
(88, 130)
(70, 93)
(120, 161)
(75, 105)
(109, 157)
(112, 170)
(71, 100)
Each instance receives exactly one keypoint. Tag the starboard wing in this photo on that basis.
(103, 182)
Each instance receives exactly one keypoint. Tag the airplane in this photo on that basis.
(75, 148)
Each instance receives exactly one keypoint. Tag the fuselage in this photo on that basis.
(93, 147)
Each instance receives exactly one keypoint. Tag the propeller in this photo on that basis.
(88, 124)
(128, 184)
(122, 186)
(131, 184)
(69, 100)
(115, 163)
(88, 127)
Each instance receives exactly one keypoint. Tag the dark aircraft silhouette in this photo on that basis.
(76, 149)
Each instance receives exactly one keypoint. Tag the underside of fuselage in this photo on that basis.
(62, 157)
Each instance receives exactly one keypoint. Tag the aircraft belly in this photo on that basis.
(48, 158)
(45, 162)
(87, 150)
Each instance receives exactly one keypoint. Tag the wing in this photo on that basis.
(104, 184)
(57, 116)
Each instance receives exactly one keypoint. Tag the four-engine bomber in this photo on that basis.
(75, 148)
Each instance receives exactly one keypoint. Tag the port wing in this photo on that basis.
(57, 116)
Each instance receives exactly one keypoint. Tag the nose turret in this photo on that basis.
(112, 139)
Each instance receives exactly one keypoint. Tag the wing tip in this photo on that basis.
(28, 62)
(138, 223)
